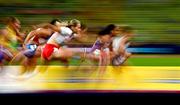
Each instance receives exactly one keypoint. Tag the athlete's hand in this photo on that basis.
(23, 46)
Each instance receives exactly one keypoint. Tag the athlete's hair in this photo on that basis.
(53, 22)
(73, 22)
(11, 19)
(107, 30)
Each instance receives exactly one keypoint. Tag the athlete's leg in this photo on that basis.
(17, 58)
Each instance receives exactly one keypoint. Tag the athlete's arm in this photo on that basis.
(122, 47)
(29, 36)
(81, 36)
(47, 25)
(38, 32)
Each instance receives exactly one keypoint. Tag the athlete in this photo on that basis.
(53, 48)
(10, 37)
(120, 44)
(33, 45)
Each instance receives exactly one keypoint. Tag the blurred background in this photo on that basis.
(157, 22)
(156, 43)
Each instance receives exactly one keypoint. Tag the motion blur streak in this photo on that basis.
(115, 78)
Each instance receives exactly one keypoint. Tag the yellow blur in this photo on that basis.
(114, 78)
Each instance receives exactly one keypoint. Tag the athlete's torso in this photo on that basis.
(64, 36)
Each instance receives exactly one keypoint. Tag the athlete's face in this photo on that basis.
(105, 38)
(58, 24)
(17, 24)
(76, 28)
(115, 31)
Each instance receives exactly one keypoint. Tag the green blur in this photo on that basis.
(156, 21)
